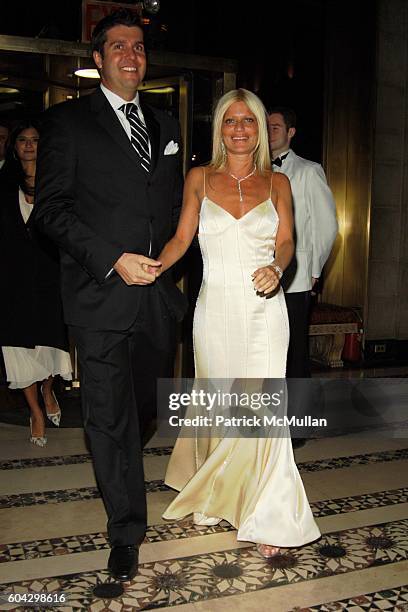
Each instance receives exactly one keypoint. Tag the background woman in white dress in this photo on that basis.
(32, 332)
(244, 216)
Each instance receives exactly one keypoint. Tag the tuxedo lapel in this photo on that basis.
(106, 117)
(153, 128)
(289, 164)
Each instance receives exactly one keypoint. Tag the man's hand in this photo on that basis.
(137, 269)
(315, 282)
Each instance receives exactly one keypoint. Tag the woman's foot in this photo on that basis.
(202, 519)
(51, 404)
(267, 551)
(37, 431)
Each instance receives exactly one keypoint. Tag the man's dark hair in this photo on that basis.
(288, 114)
(122, 16)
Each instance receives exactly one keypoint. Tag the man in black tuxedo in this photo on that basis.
(109, 187)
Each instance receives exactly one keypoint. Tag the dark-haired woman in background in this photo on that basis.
(32, 331)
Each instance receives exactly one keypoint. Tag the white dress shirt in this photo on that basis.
(25, 207)
(282, 155)
(116, 102)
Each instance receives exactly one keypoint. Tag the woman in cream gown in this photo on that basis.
(240, 331)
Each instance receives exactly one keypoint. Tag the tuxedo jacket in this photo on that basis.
(315, 221)
(96, 202)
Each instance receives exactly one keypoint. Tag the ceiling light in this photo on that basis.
(8, 90)
(151, 6)
(87, 73)
(161, 90)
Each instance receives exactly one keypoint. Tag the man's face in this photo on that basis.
(279, 135)
(4, 133)
(123, 65)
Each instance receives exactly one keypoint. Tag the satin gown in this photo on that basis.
(254, 484)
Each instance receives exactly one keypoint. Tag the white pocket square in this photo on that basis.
(171, 148)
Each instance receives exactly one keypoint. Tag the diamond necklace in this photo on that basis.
(239, 181)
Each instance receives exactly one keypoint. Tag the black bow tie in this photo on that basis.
(278, 160)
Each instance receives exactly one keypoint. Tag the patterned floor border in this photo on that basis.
(323, 508)
(163, 532)
(60, 496)
(334, 463)
(34, 462)
(219, 574)
(394, 600)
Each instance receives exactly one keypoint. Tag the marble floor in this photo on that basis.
(53, 539)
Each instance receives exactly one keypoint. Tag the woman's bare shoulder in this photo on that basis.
(194, 183)
(280, 180)
(196, 174)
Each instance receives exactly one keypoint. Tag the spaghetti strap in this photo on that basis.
(270, 191)
(204, 186)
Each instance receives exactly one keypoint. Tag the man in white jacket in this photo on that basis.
(315, 231)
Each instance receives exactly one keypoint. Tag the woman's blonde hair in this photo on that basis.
(261, 153)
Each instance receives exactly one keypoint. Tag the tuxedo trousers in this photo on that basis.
(300, 399)
(119, 371)
(298, 360)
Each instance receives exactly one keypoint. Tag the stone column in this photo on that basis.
(388, 255)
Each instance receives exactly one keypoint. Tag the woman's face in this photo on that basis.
(26, 145)
(239, 129)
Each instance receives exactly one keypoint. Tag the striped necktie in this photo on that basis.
(138, 134)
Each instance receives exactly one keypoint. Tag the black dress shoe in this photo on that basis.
(123, 562)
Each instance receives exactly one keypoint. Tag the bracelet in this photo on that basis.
(278, 270)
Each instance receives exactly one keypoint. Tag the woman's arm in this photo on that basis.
(285, 245)
(188, 223)
(266, 279)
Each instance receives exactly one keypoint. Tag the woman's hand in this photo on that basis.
(156, 271)
(266, 279)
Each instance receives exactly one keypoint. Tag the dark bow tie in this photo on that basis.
(278, 160)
